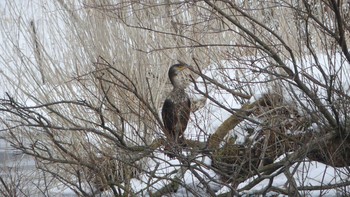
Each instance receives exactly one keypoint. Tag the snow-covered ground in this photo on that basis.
(206, 120)
(203, 122)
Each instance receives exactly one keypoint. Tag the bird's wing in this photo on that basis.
(169, 117)
(184, 110)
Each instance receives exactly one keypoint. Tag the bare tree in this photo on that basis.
(92, 121)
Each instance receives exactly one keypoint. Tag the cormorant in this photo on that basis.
(176, 109)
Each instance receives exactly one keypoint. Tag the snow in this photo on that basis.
(307, 173)
(206, 120)
(223, 190)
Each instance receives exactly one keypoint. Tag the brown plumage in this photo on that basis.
(176, 110)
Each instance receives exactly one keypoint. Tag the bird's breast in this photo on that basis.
(178, 96)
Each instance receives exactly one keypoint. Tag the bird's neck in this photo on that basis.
(177, 84)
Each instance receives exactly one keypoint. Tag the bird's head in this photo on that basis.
(176, 70)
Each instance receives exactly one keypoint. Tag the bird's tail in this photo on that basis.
(173, 148)
(169, 151)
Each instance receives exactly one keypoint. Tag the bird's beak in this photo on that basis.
(183, 67)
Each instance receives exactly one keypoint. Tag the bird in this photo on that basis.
(176, 109)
